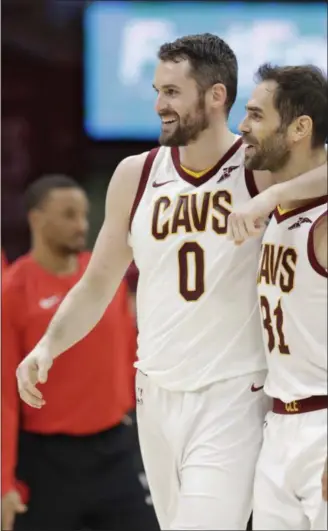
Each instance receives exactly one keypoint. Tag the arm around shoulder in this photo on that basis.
(309, 185)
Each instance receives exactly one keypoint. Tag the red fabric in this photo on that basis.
(90, 387)
(3, 261)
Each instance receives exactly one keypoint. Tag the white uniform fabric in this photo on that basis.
(199, 346)
(286, 277)
(200, 450)
(184, 345)
(287, 492)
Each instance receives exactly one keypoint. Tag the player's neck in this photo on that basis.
(207, 150)
(299, 164)
(54, 262)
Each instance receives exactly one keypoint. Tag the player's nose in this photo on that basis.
(244, 127)
(81, 226)
(160, 104)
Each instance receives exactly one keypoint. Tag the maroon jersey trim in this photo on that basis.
(209, 174)
(148, 164)
(250, 183)
(310, 248)
(290, 213)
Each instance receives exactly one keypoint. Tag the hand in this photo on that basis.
(324, 481)
(32, 370)
(11, 504)
(250, 220)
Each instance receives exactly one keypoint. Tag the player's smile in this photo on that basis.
(168, 123)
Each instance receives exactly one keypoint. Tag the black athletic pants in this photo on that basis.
(94, 482)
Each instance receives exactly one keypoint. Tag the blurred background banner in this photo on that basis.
(121, 40)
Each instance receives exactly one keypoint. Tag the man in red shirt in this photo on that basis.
(71, 465)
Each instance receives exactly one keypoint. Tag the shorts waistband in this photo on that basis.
(305, 405)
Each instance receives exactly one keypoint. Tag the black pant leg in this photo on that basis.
(120, 493)
(123, 500)
(55, 500)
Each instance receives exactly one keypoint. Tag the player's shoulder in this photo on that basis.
(15, 278)
(128, 173)
(17, 271)
(129, 179)
(131, 168)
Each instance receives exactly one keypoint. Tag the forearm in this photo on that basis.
(307, 186)
(78, 314)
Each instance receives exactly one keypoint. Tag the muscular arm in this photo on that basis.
(309, 185)
(248, 220)
(86, 303)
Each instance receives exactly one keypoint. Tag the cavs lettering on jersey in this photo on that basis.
(198, 316)
(292, 289)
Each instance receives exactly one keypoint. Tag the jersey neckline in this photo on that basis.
(211, 172)
(286, 214)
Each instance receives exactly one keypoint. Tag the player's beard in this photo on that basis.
(187, 129)
(271, 154)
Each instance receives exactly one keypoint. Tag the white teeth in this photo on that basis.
(168, 121)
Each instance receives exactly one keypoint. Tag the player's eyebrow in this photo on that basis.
(253, 108)
(166, 87)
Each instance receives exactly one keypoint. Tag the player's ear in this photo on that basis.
(219, 95)
(33, 218)
(302, 128)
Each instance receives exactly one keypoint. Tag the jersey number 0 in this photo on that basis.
(191, 251)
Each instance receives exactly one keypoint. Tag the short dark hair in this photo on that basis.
(301, 90)
(211, 59)
(38, 191)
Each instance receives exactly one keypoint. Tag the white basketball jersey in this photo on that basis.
(197, 308)
(292, 289)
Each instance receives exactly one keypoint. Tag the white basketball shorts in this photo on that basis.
(200, 450)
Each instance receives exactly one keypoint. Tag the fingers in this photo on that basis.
(8, 514)
(21, 508)
(43, 371)
(27, 390)
(43, 375)
(241, 227)
(30, 399)
(27, 394)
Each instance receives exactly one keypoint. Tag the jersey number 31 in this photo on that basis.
(275, 329)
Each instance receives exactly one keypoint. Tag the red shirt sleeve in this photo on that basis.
(10, 358)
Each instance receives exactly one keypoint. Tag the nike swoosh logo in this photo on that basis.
(156, 185)
(46, 304)
(254, 388)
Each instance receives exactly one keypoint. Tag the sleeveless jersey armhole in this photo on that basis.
(143, 182)
(310, 248)
(250, 183)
